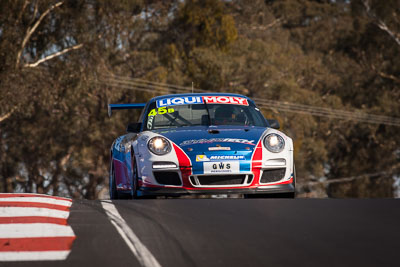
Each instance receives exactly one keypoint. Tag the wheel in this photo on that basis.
(113, 186)
(134, 181)
(294, 177)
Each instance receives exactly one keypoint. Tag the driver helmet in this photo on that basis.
(224, 114)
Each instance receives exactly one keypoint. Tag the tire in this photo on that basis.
(294, 177)
(113, 187)
(134, 181)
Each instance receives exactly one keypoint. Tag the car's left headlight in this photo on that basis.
(274, 143)
(159, 145)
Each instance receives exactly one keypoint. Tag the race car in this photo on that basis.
(210, 143)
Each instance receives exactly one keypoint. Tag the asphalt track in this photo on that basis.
(239, 232)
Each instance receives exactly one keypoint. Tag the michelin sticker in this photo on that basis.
(219, 157)
(187, 100)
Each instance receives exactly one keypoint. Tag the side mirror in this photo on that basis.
(274, 124)
(133, 127)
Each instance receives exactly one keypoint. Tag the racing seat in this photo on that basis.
(204, 120)
(240, 119)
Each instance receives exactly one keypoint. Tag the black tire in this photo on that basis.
(134, 181)
(294, 178)
(113, 187)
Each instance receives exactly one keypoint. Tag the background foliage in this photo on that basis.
(62, 62)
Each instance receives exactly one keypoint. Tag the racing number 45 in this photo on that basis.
(160, 111)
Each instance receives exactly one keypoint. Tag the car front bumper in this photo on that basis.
(172, 191)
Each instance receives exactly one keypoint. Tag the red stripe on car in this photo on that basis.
(185, 165)
(256, 162)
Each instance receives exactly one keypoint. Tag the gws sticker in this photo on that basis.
(221, 167)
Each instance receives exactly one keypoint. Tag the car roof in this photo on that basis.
(197, 94)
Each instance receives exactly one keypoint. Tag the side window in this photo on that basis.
(141, 117)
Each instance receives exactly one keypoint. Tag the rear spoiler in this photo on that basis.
(111, 107)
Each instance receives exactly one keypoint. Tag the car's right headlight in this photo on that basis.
(274, 143)
(159, 145)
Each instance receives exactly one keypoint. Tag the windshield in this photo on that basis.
(181, 115)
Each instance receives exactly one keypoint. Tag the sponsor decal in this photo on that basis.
(160, 111)
(117, 144)
(202, 158)
(150, 122)
(123, 143)
(225, 100)
(217, 148)
(214, 140)
(219, 157)
(187, 100)
(221, 167)
(227, 157)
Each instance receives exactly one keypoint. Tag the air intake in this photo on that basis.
(221, 179)
(274, 175)
(167, 178)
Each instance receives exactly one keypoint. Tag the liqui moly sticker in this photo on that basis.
(187, 100)
(225, 100)
(174, 101)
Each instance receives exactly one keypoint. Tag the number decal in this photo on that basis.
(153, 112)
(161, 111)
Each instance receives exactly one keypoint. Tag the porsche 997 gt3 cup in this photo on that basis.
(210, 143)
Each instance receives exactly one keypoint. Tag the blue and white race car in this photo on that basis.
(209, 143)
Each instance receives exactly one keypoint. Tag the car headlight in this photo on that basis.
(274, 143)
(159, 145)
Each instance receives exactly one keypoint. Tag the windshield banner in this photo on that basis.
(187, 100)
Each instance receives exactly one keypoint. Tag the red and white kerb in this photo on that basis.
(34, 227)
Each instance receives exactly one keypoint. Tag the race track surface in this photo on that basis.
(238, 232)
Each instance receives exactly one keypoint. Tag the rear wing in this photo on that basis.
(111, 107)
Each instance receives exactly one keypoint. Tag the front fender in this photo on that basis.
(122, 160)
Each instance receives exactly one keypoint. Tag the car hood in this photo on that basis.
(216, 143)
